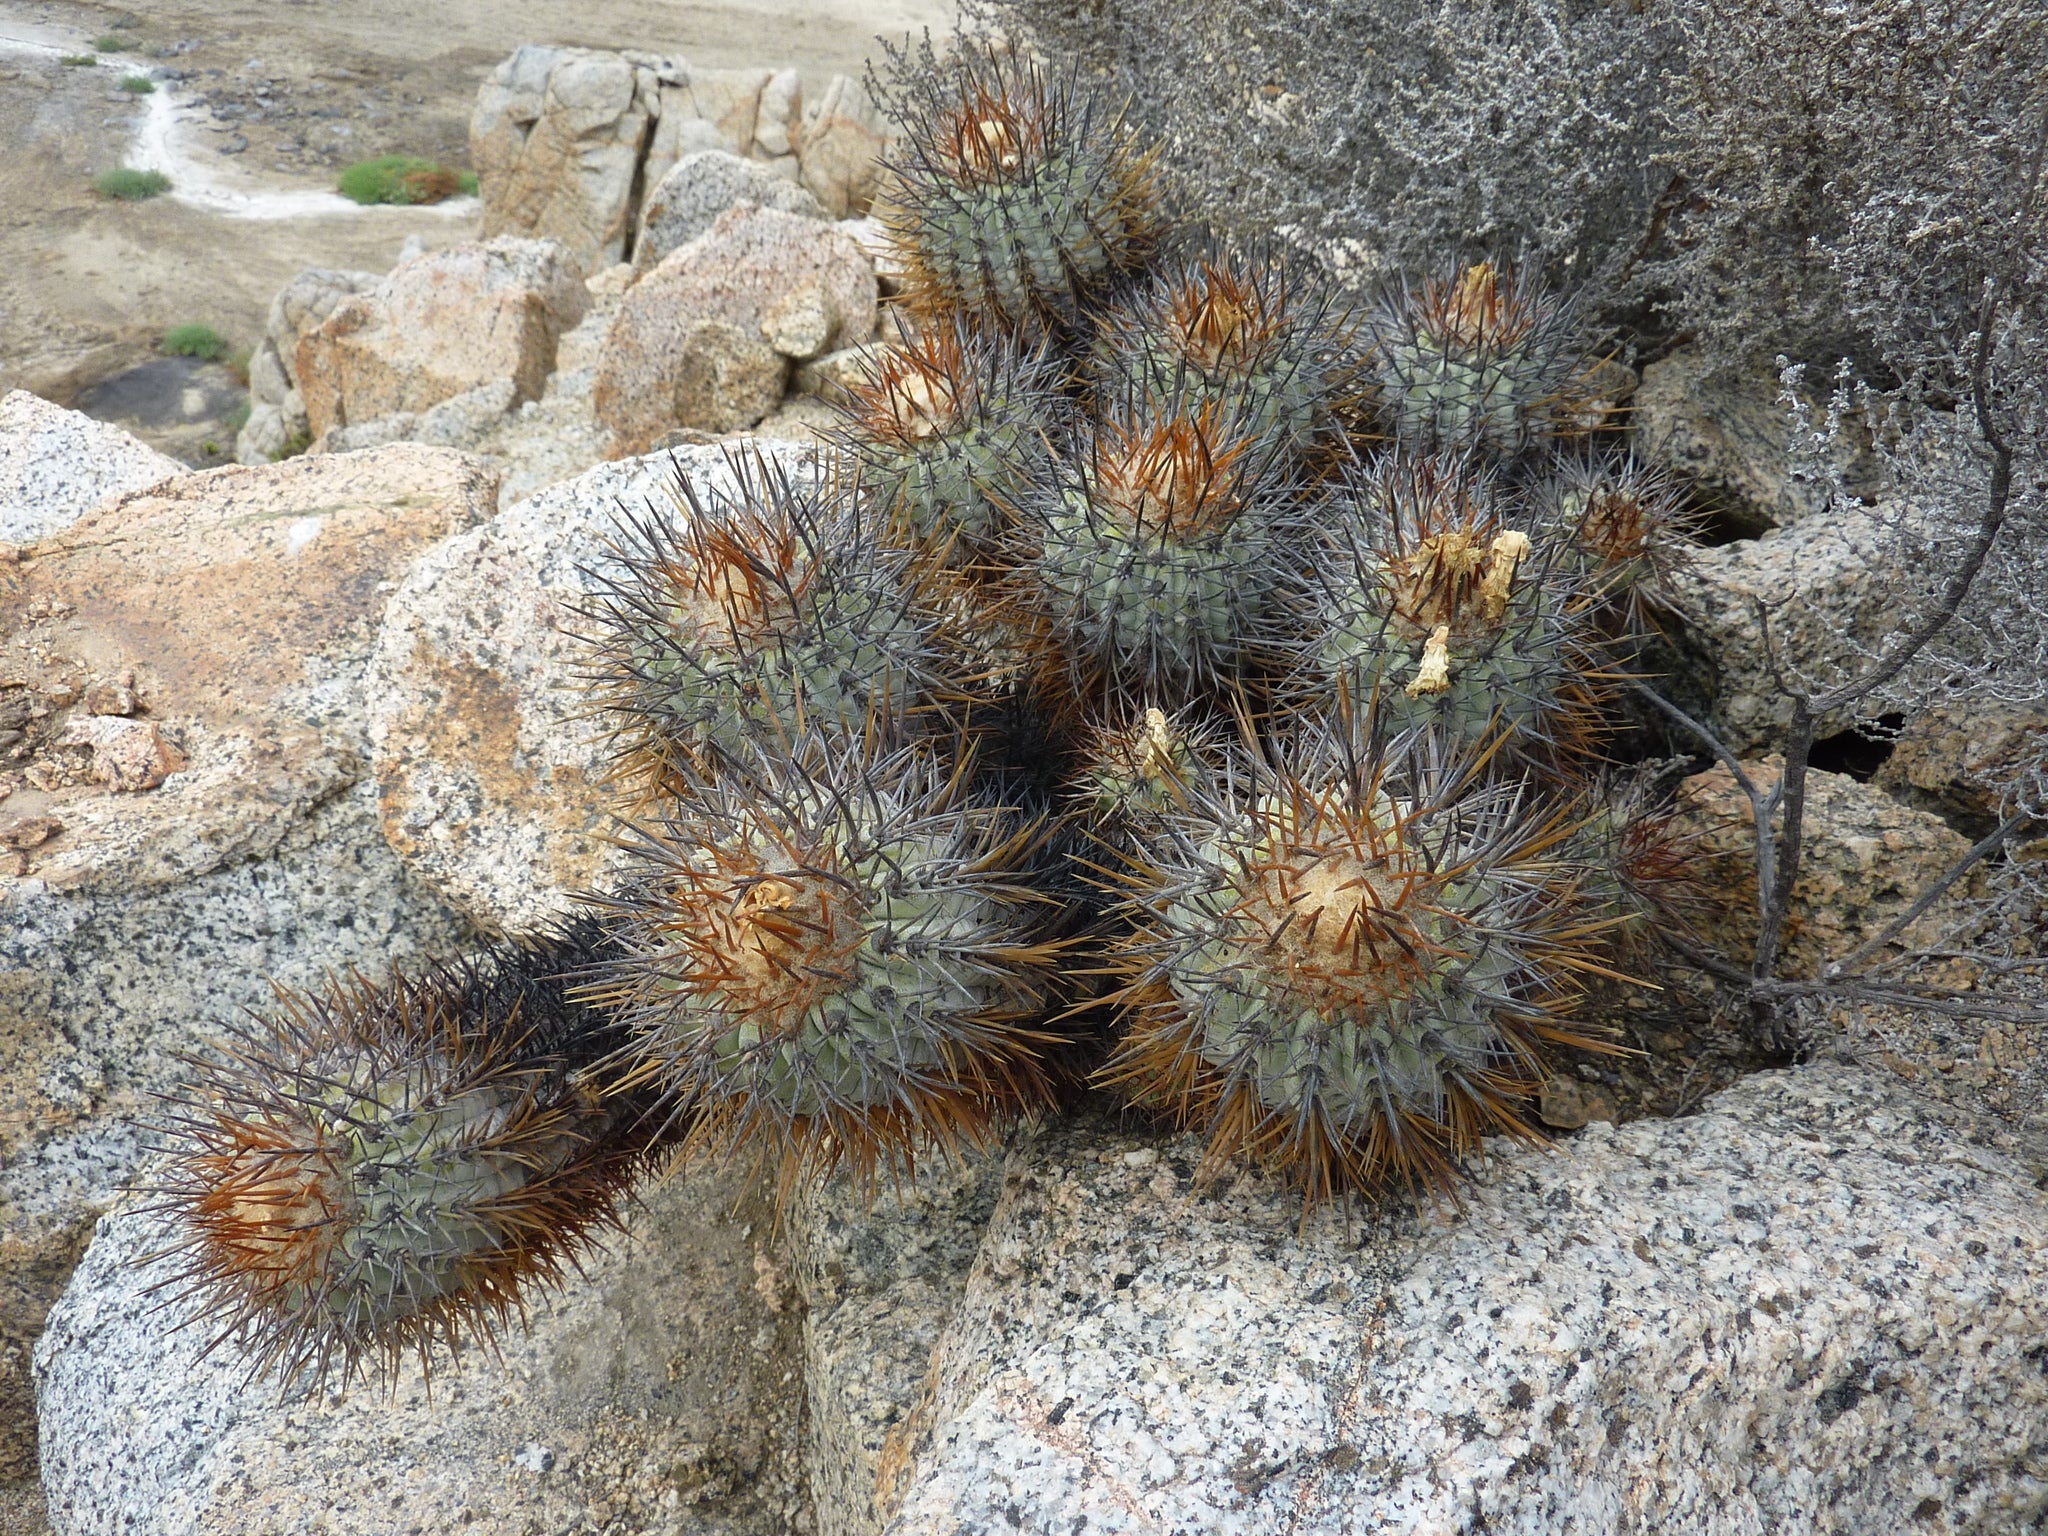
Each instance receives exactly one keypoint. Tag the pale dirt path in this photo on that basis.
(87, 285)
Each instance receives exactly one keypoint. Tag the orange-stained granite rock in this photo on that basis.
(230, 607)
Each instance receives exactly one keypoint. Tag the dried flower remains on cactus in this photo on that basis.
(1440, 601)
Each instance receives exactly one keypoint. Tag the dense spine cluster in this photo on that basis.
(833, 960)
(947, 430)
(752, 616)
(1472, 362)
(1154, 549)
(1171, 672)
(1348, 966)
(1019, 201)
(378, 1168)
(1253, 334)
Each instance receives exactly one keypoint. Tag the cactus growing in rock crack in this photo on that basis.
(377, 1168)
(1638, 867)
(832, 960)
(1436, 602)
(1016, 200)
(1472, 362)
(1155, 547)
(948, 428)
(765, 611)
(1347, 968)
(1260, 336)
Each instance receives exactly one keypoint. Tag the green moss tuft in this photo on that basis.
(201, 341)
(404, 181)
(128, 185)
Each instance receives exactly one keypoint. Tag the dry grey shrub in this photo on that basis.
(1853, 184)
(1402, 133)
(1817, 177)
(1961, 558)
(1848, 173)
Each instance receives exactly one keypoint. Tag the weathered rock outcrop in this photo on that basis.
(1965, 760)
(1865, 859)
(1832, 585)
(880, 1280)
(567, 141)
(56, 465)
(701, 186)
(184, 810)
(845, 137)
(1730, 435)
(277, 410)
(705, 340)
(440, 325)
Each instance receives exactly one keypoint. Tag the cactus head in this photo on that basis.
(1254, 334)
(1146, 770)
(1154, 549)
(769, 609)
(1471, 362)
(375, 1168)
(948, 428)
(1624, 522)
(1343, 982)
(1017, 199)
(829, 960)
(1432, 605)
(1639, 870)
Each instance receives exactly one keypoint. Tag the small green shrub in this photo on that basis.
(201, 341)
(110, 44)
(139, 85)
(79, 60)
(404, 180)
(294, 445)
(131, 186)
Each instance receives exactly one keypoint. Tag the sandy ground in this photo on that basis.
(292, 90)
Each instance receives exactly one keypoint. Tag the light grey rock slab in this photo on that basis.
(1816, 1306)
(235, 609)
(1834, 585)
(57, 465)
(701, 186)
(659, 1392)
(1733, 433)
(264, 436)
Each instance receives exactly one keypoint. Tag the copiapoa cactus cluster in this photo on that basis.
(1178, 682)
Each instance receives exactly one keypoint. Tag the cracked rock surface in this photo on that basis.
(1815, 1306)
